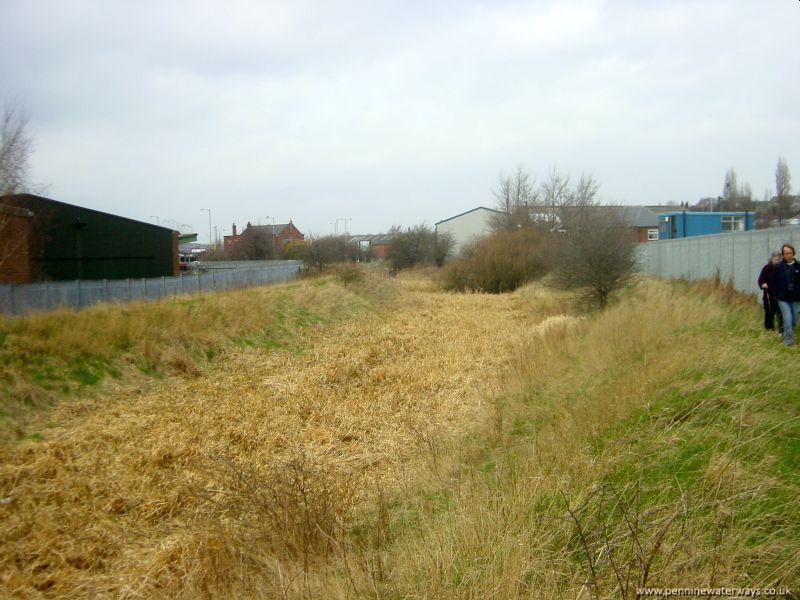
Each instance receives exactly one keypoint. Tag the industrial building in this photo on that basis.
(681, 224)
(46, 240)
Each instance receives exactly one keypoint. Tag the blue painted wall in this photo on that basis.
(681, 224)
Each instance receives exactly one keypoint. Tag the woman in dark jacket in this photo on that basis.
(772, 312)
(785, 285)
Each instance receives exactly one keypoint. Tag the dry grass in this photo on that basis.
(48, 357)
(638, 446)
(233, 482)
(445, 446)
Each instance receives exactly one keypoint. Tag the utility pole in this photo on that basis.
(210, 239)
(272, 229)
(346, 219)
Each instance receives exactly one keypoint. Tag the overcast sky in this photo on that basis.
(395, 112)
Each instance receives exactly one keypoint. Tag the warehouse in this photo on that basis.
(47, 240)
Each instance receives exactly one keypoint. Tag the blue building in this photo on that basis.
(680, 224)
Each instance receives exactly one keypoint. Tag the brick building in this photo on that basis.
(278, 236)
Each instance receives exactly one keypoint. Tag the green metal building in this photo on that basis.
(71, 242)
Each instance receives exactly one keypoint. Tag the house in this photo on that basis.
(278, 236)
(467, 226)
(642, 221)
(46, 240)
(680, 224)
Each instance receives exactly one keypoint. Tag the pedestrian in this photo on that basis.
(772, 313)
(785, 284)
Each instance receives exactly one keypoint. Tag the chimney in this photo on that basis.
(233, 229)
(249, 225)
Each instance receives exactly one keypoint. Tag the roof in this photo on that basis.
(639, 216)
(709, 213)
(467, 212)
(25, 198)
(269, 229)
(374, 240)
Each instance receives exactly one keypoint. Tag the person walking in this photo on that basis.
(785, 284)
(772, 312)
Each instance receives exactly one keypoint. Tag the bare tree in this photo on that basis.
(575, 207)
(597, 255)
(783, 189)
(254, 244)
(514, 195)
(735, 196)
(555, 195)
(16, 146)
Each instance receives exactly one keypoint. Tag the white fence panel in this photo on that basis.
(20, 299)
(736, 257)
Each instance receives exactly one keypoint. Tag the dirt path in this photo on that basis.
(118, 500)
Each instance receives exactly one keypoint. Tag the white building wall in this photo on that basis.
(466, 227)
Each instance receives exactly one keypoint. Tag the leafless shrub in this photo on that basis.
(621, 543)
(597, 255)
(500, 263)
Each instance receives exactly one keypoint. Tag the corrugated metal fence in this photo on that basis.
(735, 257)
(19, 299)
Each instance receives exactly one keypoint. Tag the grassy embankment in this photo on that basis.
(444, 446)
(48, 358)
(656, 444)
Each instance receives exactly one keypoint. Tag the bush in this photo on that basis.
(349, 273)
(324, 251)
(597, 256)
(419, 245)
(500, 263)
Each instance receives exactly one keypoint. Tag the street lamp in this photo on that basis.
(272, 229)
(210, 239)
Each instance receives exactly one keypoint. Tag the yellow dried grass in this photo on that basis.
(211, 486)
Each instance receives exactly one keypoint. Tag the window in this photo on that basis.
(732, 223)
(652, 235)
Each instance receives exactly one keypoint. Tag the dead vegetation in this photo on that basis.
(240, 478)
(439, 446)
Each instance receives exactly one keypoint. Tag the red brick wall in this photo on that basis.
(289, 233)
(15, 264)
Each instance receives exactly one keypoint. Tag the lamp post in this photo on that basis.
(210, 239)
(272, 229)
